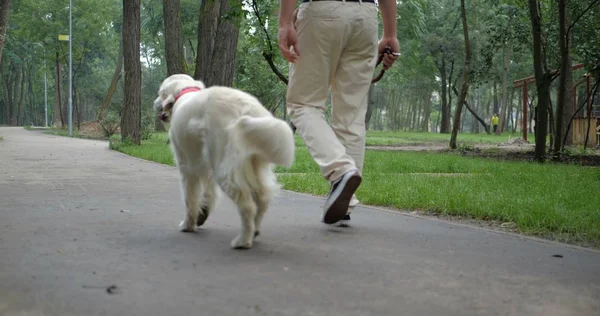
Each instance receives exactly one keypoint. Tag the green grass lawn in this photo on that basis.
(555, 201)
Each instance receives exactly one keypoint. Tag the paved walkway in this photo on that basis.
(88, 231)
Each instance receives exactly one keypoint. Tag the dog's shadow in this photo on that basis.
(214, 241)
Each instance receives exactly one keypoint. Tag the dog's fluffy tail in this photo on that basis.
(267, 136)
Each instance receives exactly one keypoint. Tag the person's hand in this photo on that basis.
(287, 38)
(389, 59)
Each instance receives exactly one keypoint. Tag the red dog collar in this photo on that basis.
(184, 91)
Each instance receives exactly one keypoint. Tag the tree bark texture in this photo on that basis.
(496, 105)
(173, 37)
(131, 116)
(4, 12)
(18, 116)
(215, 62)
(505, 100)
(445, 123)
(564, 108)
(542, 80)
(58, 118)
(464, 88)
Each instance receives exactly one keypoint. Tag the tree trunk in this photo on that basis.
(370, 105)
(58, 113)
(475, 125)
(173, 37)
(552, 130)
(76, 109)
(174, 53)
(30, 98)
(542, 80)
(445, 121)
(496, 103)
(508, 113)
(4, 12)
(222, 59)
(113, 83)
(465, 77)
(505, 103)
(565, 83)
(19, 117)
(207, 28)
(15, 95)
(6, 85)
(131, 117)
(426, 112)
(516, 124)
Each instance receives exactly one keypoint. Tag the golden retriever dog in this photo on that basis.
(223, 140)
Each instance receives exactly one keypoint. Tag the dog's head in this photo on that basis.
(168, 91)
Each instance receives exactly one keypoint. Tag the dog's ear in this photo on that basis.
(167, 103)
(157, 105)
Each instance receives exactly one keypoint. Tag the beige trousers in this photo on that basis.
(337, 41)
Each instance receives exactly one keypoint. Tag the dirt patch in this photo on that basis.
(92, 130)
(515, 149)
(587, 160)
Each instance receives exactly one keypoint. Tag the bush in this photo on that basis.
(110, 123)
(148, 119)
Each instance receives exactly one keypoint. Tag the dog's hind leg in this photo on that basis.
(247, 209)
(261, 207)
(190, 185)
(209, 196)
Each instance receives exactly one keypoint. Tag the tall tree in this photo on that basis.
(505, 101)
(217, 41)
(542, 80)
(565, 88)
(464, 88)
(4, 12)
(173, 37)
(131, 116)
(173, 44)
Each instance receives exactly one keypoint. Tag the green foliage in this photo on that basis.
(407, 98)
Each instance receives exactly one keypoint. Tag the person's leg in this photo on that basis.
(320, 30)
(352, 82)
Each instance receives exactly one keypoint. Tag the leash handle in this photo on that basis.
(386, 50)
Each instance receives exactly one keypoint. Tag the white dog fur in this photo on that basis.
(223, 138)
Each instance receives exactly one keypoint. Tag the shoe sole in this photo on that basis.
(344, 224)
(338, 209)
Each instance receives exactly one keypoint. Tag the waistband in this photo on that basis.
(368, 1)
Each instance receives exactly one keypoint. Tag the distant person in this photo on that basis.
(495, 121)
(334, 46)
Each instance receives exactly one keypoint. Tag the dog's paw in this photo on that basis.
(202, 216)
(256, 233)
(240, 243)
(187, 227)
